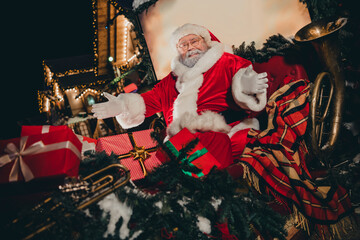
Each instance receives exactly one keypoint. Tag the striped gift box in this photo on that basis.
(136, 151)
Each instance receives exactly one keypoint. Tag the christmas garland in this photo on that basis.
(274, 45)
(321, 8)
(173, 206)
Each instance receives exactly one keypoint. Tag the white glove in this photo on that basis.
(252, 82)
(108, 109)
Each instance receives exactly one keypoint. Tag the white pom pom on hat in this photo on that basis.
(190, 28)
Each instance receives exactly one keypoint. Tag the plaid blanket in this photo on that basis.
(276, 156)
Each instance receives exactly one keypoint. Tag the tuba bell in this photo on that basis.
(327, 99)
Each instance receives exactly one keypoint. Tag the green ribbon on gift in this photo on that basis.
(190, 158)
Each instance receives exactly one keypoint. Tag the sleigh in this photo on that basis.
(306, 137)
(285, 74)
(309, 136)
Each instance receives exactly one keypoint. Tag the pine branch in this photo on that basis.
(173, 209)
(275, 45)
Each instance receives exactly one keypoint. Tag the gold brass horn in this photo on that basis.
(82, 192)
(327, 99)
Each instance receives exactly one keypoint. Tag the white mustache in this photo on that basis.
(193, 52)
(191, 61)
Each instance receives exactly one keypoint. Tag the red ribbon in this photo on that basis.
(165, 234)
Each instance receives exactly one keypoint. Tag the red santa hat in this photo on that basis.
(190, 28)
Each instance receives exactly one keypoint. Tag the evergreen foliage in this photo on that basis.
(321, 8)
(169, 207)
(276, 45)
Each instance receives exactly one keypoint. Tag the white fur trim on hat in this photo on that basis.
(134, 110)
(188, 29)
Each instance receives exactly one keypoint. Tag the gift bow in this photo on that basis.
(138, 153)
(16, 155)
(192, 157)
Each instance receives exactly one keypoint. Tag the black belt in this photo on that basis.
(231, 115)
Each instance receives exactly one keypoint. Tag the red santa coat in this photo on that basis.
(213, 95)
(195, 97)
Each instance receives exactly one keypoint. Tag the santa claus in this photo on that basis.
(209, 91)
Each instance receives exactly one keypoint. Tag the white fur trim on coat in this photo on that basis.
(186, 74)
(188, 82)
(255, 102)
(246, 123)
(207, 121)
(134, 110)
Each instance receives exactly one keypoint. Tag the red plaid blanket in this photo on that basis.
(276, 156)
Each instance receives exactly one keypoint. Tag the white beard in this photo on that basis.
(191, 61)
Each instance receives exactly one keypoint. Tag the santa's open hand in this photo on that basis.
(254, 83)
(108, 109)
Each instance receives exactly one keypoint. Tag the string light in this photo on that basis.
(95, 41)
(74, 71)
(129, 60)
(75, 90)
(46, 104)
(71, 89)
(54, 79)
(86, 91)
(47, 74)
(57, 92)
(40, 96)
(125, 39)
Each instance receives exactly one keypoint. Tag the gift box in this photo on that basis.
(41, 129)
(198, 156)
(88, 144)
(40, 156)
(135, 150)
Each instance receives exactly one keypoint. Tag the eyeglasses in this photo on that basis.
(193, 42)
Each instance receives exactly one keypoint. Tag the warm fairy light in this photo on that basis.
(74, 71)
(125, 37)
(46, 105)
(129, 60)
(133, 56)
(57, 92)
(71, 89)
(95, 39)
(48, 74)
(86, 91)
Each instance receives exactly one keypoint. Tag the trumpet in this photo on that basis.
(82, 192)
(327, 99)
